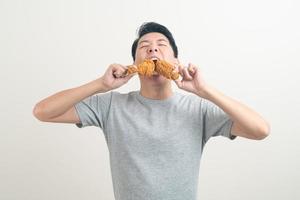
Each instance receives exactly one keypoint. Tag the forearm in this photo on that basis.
(61, 102)
(251, 123)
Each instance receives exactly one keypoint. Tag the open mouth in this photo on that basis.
(154, 58)
(155, 62)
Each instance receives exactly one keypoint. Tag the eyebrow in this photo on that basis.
(162, 40)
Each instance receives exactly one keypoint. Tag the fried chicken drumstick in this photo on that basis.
(148, 67)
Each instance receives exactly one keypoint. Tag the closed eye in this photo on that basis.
(162, 45)
(143, 46)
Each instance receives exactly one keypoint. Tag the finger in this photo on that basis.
(192, 69)
(180, 69)
(179, 66)
(118, 71)
(186, 75)
(117, 74)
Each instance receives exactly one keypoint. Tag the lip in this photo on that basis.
(153, 58)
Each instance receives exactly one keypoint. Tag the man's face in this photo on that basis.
(154, 46)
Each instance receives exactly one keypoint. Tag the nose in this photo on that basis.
(152, 50)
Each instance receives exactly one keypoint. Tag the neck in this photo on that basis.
(159, 93)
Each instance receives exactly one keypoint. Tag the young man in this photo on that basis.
(155, 136)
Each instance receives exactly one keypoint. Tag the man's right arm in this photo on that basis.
(60, 107)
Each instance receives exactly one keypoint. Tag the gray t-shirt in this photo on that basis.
(154, 146)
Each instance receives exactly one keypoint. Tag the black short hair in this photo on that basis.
(150, 27)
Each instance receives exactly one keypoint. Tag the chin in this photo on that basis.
(155, 80)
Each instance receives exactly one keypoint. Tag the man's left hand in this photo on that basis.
(192, 80)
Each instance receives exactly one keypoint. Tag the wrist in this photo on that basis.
(98, 86)
(212, 94)
(205, 92)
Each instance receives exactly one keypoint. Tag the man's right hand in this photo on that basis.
(114, 77)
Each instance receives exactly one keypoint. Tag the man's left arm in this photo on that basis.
(246, 122)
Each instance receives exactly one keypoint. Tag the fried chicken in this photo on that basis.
(148, 67)
(166, 69)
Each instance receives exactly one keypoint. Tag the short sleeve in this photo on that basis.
(215, 121)
(93, 111)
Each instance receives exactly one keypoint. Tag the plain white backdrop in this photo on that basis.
(249, 50)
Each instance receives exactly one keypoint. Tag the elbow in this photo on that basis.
(39, 113)
(263, 132)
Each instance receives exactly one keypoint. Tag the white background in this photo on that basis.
(249, 50)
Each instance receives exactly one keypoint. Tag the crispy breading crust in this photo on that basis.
(148, 67)
(166, 69)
